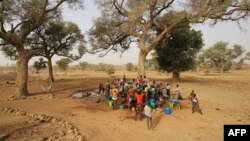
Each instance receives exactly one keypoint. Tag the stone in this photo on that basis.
(4, 136)
(11, 110)
(5, 109)
(53, 120)
(79, 138)
(12, 96)
(61, 133)
(22, 113)
(41, 118)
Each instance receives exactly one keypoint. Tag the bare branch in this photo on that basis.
(165, 6)
(119, 8)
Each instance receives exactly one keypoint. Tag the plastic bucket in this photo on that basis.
(171, 105)
(167, 111)
(133, 109)
(152, 100)
(110, 104)
(152, 105)
(122, 106)
(176, 102)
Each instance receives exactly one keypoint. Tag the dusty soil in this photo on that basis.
(224, 99)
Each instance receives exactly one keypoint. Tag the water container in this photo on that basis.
(110, 104)
(167, 111)
(121, 106)
(176, 102)
(152, 105)
(171, 105)
(133, 109)
(152, 100)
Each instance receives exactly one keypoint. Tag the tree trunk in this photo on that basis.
(51, 76)
(176, 76)
(22, 76)
(222, 68)
(141, 63)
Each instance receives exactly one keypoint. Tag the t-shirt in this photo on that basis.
(148, 111)
(140, 80)
(178, 91)
(139, 98)
(168, 87)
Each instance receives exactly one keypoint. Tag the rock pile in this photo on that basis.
(70, 131)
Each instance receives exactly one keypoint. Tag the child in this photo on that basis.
(139, 98)
(195, 105)
(101, 90)
(191, 95)
(114, 98)
(168, 88)
(148, 114)
(178, 92)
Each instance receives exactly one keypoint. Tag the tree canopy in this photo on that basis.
(123, 22)
(221, 56)
(40, 64)
(63, 64)
(178, 52)
(18, 19)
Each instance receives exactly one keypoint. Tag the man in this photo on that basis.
(148, 114)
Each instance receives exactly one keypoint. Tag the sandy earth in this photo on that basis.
(224, 99)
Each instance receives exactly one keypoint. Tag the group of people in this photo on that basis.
(135, 95)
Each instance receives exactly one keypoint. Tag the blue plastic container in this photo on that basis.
(167, 111)
(176, 102)
(152, 100)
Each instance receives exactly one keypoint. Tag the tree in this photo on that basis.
(247, 56)
(40, 64)
(109, 69)
(83, 65)
(63, 64)
(58, 38)
(123, 22)
(17, 20)
(129, 66)
(221, 56)
(178, 53)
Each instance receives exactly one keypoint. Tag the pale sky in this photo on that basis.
(228, 32)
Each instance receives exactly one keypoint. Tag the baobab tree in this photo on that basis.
(17, 20)
(123, 22)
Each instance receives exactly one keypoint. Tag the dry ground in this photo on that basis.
(224, 99)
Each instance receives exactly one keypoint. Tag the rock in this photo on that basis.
(31, 115)
(61, 133)
(79, 138)
(4, 136)
(18, 113)
(5, 109)
(53, 120)
(41, 118)
(48, 118)
(12, 96)
(69, 127)
(11, 110)
(42, 139)
(22, 113)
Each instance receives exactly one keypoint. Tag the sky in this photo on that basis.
(226, 31)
